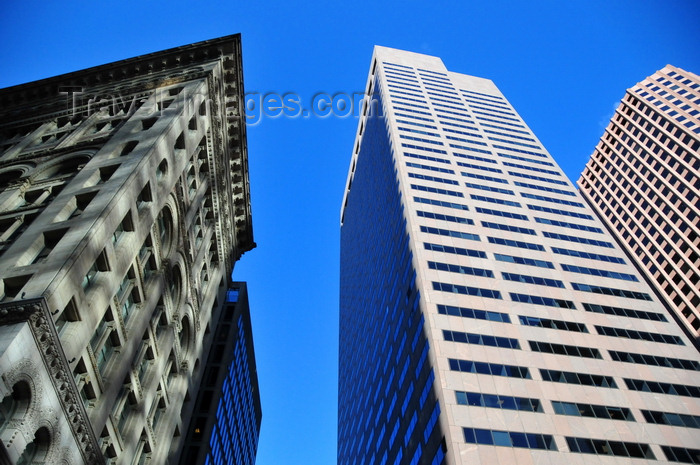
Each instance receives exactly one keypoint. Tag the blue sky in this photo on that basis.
(563, 65)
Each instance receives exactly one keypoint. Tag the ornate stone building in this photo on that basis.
(124, 204)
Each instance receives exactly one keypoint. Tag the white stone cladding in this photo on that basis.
(463, 124)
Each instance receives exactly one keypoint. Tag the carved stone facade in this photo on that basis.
(124, 204)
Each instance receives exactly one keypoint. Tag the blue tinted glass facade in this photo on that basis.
(387, 408)
(226, 421)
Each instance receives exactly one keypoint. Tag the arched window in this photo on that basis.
(65, 167)
(16, 404)
(166, 230)
(37, 449)
(10, 175)
(176, 286)
(185, 334)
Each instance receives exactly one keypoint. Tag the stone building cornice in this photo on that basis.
(134, 76)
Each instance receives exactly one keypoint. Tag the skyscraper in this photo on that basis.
(643, 179)
(486, 316)
(225, 424)
(124, 203)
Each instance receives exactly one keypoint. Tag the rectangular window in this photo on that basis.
(588, 255)
(544, 301)
(673, 419)
(494, 200)
(449, 233)
(522, 278)
(655, 360)
(509, 439)
(439, 216)
(489, 188)
(473, 313)
(552, 324)
(593, 411)
(544, 188)
(454, 250)
(430, 168)
(495, 369)
(504, 214)
(478, 399)
(507, 227)
(597, 272)
(480, 339)
(523, 261)
(611, 291)
(551, 199)
(433, 178)
(584, 379)
(626, 312)
(563, 349)
(605, 447)
(426, 157)
(519, 244)
(639, 335)
(580, 240)
(556, 211)
(436, 190)
(461, 269)
(466, 290)
(565, 224)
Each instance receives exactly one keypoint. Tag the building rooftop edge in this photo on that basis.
(153, 69)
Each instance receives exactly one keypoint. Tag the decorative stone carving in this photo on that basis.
(59, 371)
(17, 312)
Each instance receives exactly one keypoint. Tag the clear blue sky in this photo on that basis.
(564, 65)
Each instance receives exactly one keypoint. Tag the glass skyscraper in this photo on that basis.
(486, 314)
(225, 424)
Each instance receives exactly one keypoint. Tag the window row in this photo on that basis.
(478, 399)
(480, 339)
(606, 447)
(598, 272)
(594, 411)
(427, 157)
(461, 269)
(495, 369)
(551, 199)
(662, 388)
(473, 313)
(509, 439)
(639, 335)
(655, 360)
(673, 419)
(611, 291)
(449, 233)
(454, 250)
(466, 290)
(521, 278)
(626, 312)
(563, 349)
(441, 203)
(428, 167)
(436, 190)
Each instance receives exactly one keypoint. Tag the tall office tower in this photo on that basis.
(643, 179)
(124, 204)
(225, 425)
(486, 316)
